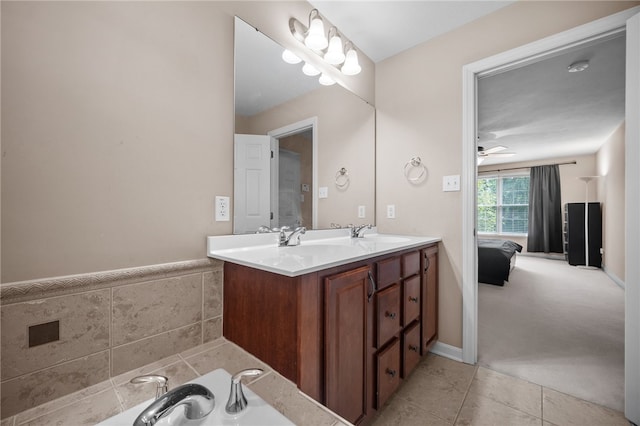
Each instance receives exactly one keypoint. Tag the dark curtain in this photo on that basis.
(545, 210)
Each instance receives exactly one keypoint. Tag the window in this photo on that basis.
(503, 204)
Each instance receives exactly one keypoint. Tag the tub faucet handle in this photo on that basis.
(237, 401)
(162, 382)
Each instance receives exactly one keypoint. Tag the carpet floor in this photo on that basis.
(557, 326)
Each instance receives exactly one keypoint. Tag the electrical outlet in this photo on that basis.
(361, 212)
(323, 192)
(391, 211)
(222, 209)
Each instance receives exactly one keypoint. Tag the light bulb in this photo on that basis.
(351, 65)
(325, 80)
(290, 57)
(335, 55)
(315, 39)
(310, 70)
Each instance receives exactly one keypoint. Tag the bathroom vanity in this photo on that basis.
(346, 319)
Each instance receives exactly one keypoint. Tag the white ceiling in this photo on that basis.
(538, 111)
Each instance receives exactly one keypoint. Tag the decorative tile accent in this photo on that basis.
(562, 409)
(135, 354)
(38, 289)
(42, 386)
(146, 309)
(87, 411)
(213, 283)
(84, 329)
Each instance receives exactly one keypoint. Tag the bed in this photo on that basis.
(496, 259)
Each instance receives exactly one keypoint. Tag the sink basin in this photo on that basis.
(258, 412)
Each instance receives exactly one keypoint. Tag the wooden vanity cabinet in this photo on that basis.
(347, 335)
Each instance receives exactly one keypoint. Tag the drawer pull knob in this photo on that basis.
(391, 372)
(391, 315)
(413, 348)
(413, 299)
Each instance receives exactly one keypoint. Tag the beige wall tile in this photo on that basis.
(84, 329)
(42, 386)
(284, 396)
(515, 393)
(212, 329)
(132, 394)
(203, 348)
(7, 421)
(144, 351)
(145, 369)
(87, 411)
(562, 409)
(227, 356)
(145, 309)
(478, 410)
(213, 284)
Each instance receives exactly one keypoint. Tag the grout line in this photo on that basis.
(466, 393)
(189, 365)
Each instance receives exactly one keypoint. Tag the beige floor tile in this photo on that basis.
(133, 394)
(439, 386)
(400, 412)
(513, 392)
(227, 356)
(87, 411)
(478, 410)
(561, 409)
(284, 396)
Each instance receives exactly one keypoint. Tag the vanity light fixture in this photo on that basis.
(330, 48)
(315, 39)
(290, 57)
(335, 53)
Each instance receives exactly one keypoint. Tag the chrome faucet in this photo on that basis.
(293, 239)
(198, 402)
(357, 231)
(263, 230)
(237, 401)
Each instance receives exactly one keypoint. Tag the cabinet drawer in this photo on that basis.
(410, 264)
(388, 373)
(388, 314)
(410, 299)
(410, 349)
(388, 272)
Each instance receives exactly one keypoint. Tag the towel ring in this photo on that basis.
(342, 178)
(413, 166)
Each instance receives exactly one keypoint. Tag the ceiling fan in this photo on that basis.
(493, 152)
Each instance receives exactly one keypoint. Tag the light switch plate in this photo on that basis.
(323, 192)
(391, 211)
(451, 183)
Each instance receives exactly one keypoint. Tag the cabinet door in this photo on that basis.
(410, 300)
(388, 372)
(410, 349)
(429, 297)
(346, 308)
(388, 314)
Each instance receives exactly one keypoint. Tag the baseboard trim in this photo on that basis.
(614, 278)
(447, 351)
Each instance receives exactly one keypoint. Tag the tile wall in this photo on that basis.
(109, 323)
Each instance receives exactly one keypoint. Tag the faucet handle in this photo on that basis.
(237, 401)
(162, 382)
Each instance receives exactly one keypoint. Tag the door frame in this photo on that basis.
(290, 129)
(531, 52)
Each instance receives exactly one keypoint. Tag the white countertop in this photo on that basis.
(317, 250)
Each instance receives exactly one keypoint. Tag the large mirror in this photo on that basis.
(304, 153)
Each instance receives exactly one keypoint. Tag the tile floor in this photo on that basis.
(445, 392)
(438, 392)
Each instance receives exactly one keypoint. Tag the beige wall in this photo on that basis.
(571, 188)
(610, 165)
(118, 129)
(346, 138)
(419, 112)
